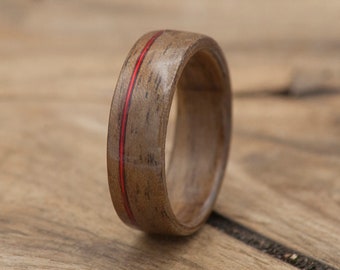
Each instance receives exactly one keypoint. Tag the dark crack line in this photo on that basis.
(265, 244)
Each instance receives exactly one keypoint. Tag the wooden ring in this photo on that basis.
(146, 196)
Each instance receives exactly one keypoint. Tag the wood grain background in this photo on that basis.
(59, 64)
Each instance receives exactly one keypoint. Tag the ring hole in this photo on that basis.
(196, 149)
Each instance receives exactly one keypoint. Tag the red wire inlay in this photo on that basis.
(124, 122)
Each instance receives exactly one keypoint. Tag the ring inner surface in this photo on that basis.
(197, 155)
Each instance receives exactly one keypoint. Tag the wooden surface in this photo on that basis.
(59, 64)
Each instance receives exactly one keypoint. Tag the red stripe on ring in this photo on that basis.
(124, 122)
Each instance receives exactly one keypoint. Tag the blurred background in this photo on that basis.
(268, 44)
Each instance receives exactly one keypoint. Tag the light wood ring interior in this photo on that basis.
(199, 144)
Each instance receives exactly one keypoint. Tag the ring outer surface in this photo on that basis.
(138, 123)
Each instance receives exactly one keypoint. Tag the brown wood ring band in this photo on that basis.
(144, 195)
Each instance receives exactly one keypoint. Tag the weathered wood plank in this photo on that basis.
(56, 209)
(284, 171)
(59, 63)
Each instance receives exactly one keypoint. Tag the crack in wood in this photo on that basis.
(265, 244)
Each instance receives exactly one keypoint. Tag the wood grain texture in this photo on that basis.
(161, 65)
(289, 159)
(59, 64)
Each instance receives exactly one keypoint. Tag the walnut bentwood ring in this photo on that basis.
(145, 195)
